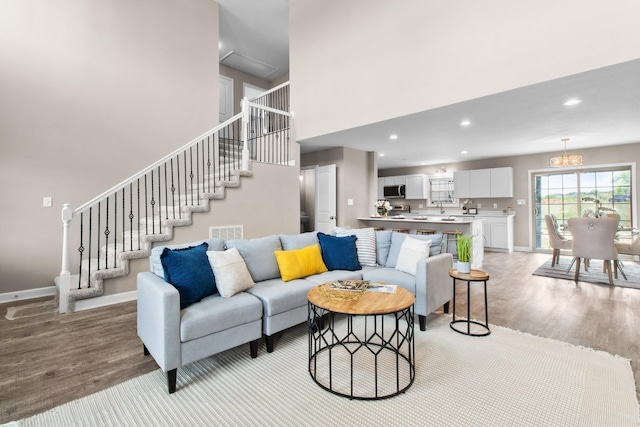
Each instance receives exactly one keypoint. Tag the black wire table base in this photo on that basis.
(362, 357)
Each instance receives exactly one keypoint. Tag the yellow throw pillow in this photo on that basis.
(300, 263)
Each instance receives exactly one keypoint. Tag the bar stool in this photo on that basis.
(425, 231)
(450, 235)
(401, 230)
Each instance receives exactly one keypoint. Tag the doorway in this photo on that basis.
(318, 198)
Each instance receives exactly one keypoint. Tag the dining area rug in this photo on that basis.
(595, 274)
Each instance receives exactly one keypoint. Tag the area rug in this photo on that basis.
(506, 378)
(594, 275)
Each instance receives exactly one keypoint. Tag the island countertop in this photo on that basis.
(428, 220)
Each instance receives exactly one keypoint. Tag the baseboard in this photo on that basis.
(88, 304)
(28, 294)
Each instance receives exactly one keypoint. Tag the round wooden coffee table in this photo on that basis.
(365, 348)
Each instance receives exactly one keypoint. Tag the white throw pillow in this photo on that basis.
(365, 243)
(231, 272)
(412, 251)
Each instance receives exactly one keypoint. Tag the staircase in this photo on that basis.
(125, 221)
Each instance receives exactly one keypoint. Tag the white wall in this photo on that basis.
(90, 93)
(355, 62)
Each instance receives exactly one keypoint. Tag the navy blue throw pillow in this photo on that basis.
(339, 253)
(188, 269)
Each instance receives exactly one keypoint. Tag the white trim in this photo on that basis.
(27, 294)
(103, 301)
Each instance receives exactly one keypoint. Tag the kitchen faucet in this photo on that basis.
(439, 204)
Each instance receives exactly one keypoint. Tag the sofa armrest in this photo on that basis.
(159, 319)
(433, 284)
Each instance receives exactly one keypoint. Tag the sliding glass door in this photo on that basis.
(572, 193)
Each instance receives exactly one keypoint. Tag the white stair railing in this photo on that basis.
(123, 222)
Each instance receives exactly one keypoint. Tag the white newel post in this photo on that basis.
(65, 273)
(245, 133)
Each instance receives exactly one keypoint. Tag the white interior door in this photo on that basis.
(226, 98)
(325, 198)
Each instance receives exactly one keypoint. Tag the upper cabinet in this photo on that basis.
(484, 183)
(416, 186)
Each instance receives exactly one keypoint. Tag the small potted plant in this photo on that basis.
(383, 207)
(463, 244)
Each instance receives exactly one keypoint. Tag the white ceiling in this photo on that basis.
(522, 121)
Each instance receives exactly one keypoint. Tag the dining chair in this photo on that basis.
(556, 240)
(593, 238)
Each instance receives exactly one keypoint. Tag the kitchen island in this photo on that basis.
(471, 226)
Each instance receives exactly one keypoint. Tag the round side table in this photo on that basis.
(472, 276)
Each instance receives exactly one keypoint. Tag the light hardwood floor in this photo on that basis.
(50, 359)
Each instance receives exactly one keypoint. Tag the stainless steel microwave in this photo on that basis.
(394, 191)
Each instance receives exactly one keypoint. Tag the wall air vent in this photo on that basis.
(227, 232)
(248, 65)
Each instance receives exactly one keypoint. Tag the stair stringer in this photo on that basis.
(98, 277)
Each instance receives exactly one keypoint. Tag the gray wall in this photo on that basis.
(521, 167)
(355, 179)
(354, 63)
(92, 92)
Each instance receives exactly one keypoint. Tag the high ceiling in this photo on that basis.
(522, 121)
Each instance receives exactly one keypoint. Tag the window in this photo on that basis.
(573, 193)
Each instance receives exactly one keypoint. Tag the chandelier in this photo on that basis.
(565, 159)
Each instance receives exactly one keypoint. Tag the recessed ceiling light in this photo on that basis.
(465, 123)
(393, 136)
(381, 155)
(572, 101)
(464, 152)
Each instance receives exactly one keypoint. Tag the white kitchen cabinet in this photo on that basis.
(502, 182)
(480, 183)
(416, 187)
(498, 233)
(461, 184)
(484, 183)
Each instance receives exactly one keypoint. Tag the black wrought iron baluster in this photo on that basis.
(166, 192)
(115, 227)
(146, 207)
(106, 235)
(191, 173)
(173, 193)
(139, 215)
(186, 192)
(197, 175)
(90, 240)
(209, 163)
(159, 202)
(153, 205)
(131, 216)
(179, 195)
(81, 248)
(98, 242)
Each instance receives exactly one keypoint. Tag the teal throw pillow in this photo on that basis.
(189, 271)
(339, 253)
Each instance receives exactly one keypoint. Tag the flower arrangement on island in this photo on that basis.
(383, 207)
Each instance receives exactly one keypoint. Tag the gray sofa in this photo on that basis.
(176, 337)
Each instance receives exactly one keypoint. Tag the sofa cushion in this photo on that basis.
(188, 270)
(298, 263)
(155, 266)
(259, 257)
(393, 277)
(230, 271)
(339, 253)
(298, 241)
(278, 296)
(398, 238)
(215, 313)
(383, 244)
(365, 243)
(412, 251)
